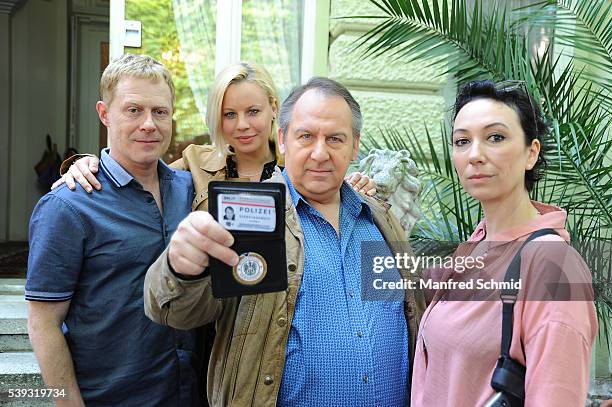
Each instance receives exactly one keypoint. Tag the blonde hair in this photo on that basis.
(236, 73)
(135, 66)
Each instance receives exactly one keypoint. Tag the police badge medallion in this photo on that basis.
(251, 268)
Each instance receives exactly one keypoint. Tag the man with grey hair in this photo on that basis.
(326, 87)
(319, 342)
(89, 254)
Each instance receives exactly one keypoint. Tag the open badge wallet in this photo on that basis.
(254, 213)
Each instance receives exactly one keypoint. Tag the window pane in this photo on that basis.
(271, 36)
(181, 34)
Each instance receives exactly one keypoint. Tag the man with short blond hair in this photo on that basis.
(89, 254)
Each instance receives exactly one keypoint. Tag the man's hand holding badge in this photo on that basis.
(197, 237)
(240, 241)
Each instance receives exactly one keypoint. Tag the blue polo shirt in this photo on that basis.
(94, 250)
(343, 350)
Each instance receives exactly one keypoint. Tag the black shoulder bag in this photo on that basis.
(509, 375)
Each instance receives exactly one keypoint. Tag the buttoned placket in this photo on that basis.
(363, 343)
(164, 187)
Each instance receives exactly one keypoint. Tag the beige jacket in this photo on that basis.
(205, 165)
(248, 356)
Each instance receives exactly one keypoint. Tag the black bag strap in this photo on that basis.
(509, 296)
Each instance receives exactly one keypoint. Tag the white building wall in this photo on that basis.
(39, 59)
(5, 101)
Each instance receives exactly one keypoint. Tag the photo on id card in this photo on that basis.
(254, 213)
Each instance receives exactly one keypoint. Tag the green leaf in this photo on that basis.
(572, 86)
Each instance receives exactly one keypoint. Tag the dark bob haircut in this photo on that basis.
(532, 121)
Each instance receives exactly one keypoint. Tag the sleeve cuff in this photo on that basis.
(182, 277)
(47, 296)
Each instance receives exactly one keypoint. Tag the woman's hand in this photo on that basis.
(362, 183)
(82, 171)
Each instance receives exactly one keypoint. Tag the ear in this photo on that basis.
(356, 146)
(281, 141)
(102, 109)
(274, 110)
(534, 151)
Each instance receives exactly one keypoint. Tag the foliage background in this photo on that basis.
(271, 35)
(160, 40)
(570, 74)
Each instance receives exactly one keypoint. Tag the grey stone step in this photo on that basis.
(19, 370)
(14, 324)
(15, 343)
(8, 402)
(19, 363)
(13, 315)
(12, 286)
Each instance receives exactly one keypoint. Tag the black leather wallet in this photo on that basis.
(254, 213)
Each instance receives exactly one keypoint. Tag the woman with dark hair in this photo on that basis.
(498, 154)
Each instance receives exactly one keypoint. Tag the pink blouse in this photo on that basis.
(459, 341)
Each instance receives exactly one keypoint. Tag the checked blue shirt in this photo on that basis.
(342, 350)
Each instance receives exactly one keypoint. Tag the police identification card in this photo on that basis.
(254, 213)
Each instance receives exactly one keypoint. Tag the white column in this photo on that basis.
(315, 38)
(117, 28)
(308, 39)
(227, 45)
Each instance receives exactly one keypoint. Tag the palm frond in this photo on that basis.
(468, 45)
(583, 25)
(448, 213)
(572, 86)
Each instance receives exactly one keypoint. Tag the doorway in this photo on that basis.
(90, 56)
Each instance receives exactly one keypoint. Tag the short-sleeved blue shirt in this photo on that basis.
(94, 250)
(343, 350)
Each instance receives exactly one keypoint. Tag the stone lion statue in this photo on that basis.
(395, 174)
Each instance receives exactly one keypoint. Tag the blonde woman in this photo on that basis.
(241, 116)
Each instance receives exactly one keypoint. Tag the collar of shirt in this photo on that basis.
(550, 217)
(349, 199)
(120, 177)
